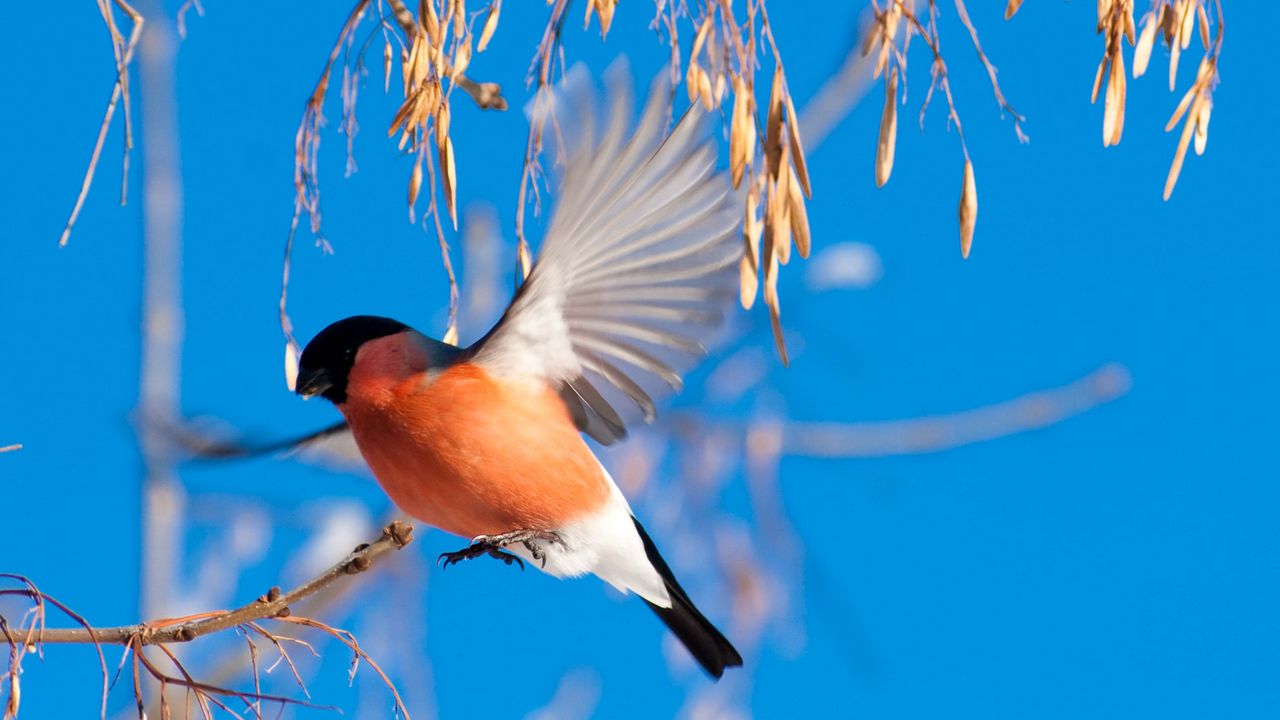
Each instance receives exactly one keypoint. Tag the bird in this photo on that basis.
(635, 271)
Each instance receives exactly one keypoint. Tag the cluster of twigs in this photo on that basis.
(31, 635)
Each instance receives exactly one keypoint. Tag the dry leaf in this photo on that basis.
(968, 209)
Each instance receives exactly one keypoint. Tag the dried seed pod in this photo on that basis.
(797, 148)
(290, 366)
(691, 80)
(459, 18)
(429, 20)
(748, 283)
(1202, 126)
(451, 334)
(450, 177)
(704, 92)
(773, 125)
(1097, 78)
(888, 129)
(1181, 153)
(1011, 8)
(525, 257)
(701, 38)
(415, 185)
(1188, 23)
(1128, 21)
(605, 8)
(740, 126)
(968, 209)
(1204, 25)
(461, 59)
(1113, 107)
(490, 25)
(1146, 41)
(799, 216)
(386, 67)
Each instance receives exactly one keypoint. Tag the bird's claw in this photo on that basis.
(492, 545)
(475, 550)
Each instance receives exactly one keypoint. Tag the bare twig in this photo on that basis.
(943, 432)
(123, 50)
(10, 448)
(272, 605)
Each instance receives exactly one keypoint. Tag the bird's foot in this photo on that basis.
(492, 545)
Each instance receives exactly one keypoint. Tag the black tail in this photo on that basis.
(708, 646)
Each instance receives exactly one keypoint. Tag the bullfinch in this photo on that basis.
(486, 442)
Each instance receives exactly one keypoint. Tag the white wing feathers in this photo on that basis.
(637, 265)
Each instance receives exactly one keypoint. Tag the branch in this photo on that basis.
(272, 605)
(943, 432)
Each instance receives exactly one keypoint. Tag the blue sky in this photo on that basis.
(1125, 562)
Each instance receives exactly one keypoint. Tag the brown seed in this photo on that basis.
(1204, 25)
(888, 129)
(1011, 9)
(968, 209)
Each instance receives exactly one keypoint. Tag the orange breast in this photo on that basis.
(476, 455)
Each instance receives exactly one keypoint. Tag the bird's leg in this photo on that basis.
(492, 545)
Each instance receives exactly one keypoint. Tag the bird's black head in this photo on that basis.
(326, 362)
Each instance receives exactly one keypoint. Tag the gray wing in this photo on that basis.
(637, 266)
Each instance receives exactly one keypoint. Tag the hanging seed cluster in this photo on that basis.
(440, 49)
(769, 159)
(1176, 22)
(889, 39)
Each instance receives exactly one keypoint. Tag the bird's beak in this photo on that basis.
(313, 383)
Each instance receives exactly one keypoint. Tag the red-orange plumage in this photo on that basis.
(465, 451)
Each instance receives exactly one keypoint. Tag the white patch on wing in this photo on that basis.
(605, 544)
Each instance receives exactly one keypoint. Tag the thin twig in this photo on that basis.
(394, 536)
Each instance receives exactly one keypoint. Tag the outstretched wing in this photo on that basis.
(636, 268)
